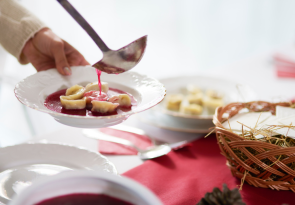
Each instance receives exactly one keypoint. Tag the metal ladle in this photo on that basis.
(113, 61)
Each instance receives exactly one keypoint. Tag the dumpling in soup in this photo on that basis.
(95, 86)
(95, 95)
(72, 104)
(75, 92)
(122, 99)
(103, 106)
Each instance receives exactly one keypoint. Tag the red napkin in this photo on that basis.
(285, 67)
(184, 176)
(116, 149)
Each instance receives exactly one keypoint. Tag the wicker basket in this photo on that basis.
(246, 169)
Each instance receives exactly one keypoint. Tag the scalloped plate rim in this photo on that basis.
(124, 114)
(61, 145)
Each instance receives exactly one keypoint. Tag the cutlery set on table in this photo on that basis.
(149, 153)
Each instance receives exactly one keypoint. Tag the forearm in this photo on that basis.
(17, 26)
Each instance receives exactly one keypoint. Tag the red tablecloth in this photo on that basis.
(285, 66)
(184, 176)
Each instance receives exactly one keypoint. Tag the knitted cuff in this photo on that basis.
(17, 26)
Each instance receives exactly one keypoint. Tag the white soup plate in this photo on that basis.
(33, 90)
(172, 120)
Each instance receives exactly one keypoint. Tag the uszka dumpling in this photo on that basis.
(72, 104)
(122, 99)
(103, 106)
(95, 95)
(74, 92)
(74, 98)
(94, 86)
(192, 109)
(174, 101)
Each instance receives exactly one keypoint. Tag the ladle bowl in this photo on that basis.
(124, 59)
(113, 61)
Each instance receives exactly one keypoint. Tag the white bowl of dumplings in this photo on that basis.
(197, 97)
(33, 90)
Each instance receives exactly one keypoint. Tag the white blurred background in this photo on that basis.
(185, 37)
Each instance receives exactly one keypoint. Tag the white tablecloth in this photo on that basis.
(258, 72)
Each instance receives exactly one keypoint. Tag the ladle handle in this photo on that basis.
(84, 24)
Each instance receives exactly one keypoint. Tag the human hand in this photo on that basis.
(46, 50)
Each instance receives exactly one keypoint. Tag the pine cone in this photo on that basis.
(225, 197)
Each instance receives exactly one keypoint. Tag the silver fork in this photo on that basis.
(134, 130)
(149, 153)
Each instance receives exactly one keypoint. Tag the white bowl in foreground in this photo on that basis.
(33, 90)
(22, 164)
(78, 182)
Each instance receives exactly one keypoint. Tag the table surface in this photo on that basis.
(74, 136)
(258, 72)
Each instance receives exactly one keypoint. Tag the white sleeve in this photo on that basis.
(17, 26)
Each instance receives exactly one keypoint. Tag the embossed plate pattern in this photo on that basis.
(33, 90)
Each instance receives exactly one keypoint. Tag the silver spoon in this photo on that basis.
(149, 153)
(113, 61)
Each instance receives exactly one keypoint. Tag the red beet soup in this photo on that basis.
(52, 102)
(84, 199)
